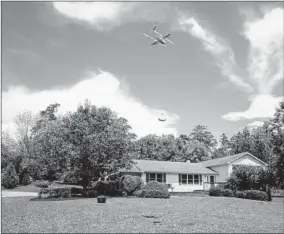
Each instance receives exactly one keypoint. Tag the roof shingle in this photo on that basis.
(170, 167)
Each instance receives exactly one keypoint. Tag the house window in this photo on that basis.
(156, 177)
(190, 179)
(184, 179)
(152, 176)
(196, 179)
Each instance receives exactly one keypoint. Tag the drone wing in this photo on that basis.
(149, 36)
(155, 27)
(169, 41)
(166, 37)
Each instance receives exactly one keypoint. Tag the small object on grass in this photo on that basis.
(101, 199)
(150, 216)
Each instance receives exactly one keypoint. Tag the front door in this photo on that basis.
(212, 181)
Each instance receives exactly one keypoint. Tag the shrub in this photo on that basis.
(227, 193)
(26, 179)
(41, 183)
(232, 183)
(130, 184)
(90, 192)
(107, 188)
(277, 192)
(153, 189)
(139, 193)
(71, 177)
(240, 194)
(256, 195)
(215, 191)
(76, 191)
(54, 193)
(10, 179)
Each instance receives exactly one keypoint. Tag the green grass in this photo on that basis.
(177, 214)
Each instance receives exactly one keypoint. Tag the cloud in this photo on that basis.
(102, 89)
(265, 62)
(265, 59)
(104, 16)
(262, 106)
(218, 48)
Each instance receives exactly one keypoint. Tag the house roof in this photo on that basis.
(169, 167)
(228, 159)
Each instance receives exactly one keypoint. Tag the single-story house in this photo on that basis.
(186, 176)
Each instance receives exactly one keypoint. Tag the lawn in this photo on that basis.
(177, 214)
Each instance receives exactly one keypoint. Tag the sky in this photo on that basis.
(224, 70)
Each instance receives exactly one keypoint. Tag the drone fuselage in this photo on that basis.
(161, 40)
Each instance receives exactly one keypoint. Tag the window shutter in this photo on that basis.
(179, 179)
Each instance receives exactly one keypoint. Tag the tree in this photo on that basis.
(51, 150)
(201, 144)
(236, 143)
(277, 139)
(100, 141)
(10, 178)
(200, 134)
(45, 116)
(261, 145)
(23, 122)
(148, 147)
(48, 146)
(8, 149)
(224, 147)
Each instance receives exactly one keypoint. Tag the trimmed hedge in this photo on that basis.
(41, 183)
(153, 189)
(256, 195)
(227, 193)
(54, 193)
(240, 194)
(277, 192)
(217, 192)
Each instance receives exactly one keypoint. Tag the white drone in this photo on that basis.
(159, 39)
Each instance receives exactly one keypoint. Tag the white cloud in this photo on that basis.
(102, 89)
(216, 46)
(265, 63)
(107, 15)
(262, 106)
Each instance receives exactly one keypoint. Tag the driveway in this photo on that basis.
(6, 193)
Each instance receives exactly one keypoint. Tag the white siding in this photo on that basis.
(143, 177)
(223, 172)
